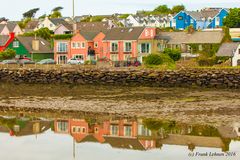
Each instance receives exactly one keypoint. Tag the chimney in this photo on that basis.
(11, 34)
(35, 44)
(74, 27)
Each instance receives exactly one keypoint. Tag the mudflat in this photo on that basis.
(190, 105)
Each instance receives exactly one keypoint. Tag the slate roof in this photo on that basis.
(199, 15)
(32, 25)
(11, 26)
(3, 39)
(93, 26)
(58, 21)
(128, 33)
(89, 35)
(200, 141)
(198, 37)
(2, 27)
(227, 49)
(44, 46)
(125, 143)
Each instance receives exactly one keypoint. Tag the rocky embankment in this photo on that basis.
(227, 78)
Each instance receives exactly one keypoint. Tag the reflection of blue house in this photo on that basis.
(208, 18)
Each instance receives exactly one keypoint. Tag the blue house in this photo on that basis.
(207, 18)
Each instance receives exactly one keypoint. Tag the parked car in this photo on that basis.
(10, 61)
(26, 61)
(75, 61)
(46, 61)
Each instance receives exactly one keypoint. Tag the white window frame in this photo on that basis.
(95, 44)
(15, 44)
(114, 57)
(125, 47)
(83, 45)
(127, 56)
(126, 129)
(145, 49)
(116, 130)
(59, 47)
(112, 48)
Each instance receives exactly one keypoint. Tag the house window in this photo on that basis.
(83, 45)
(192, 21)
(114, 130)
(74, 129)
(143, 131)
(83, 130)
(95, 44)
(127, 57)
(180, 17)
(114, 57)
(75, 45)
(127, 131)
(145, 48)
(114, 47)
(15, 44)
(62, 47)
(62, 126)
(160, 47)
(96, 130)
(127, 47)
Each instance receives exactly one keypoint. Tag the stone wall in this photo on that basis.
(227, 78)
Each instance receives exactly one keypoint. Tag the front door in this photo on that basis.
(62, 59)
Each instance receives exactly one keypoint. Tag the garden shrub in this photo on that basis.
(174, 54)
(7, 54)
(153, 59)
(206, 61)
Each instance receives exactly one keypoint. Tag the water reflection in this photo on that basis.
(124, 134)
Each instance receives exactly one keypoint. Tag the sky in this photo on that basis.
(13, 9)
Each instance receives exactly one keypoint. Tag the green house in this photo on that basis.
(35, 48)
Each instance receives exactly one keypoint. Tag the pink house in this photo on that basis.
(83, 45)
(121, 44)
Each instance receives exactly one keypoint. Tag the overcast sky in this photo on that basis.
(13, 9)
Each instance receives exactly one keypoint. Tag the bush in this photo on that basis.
(206, 61)
(153, 59)
(174, 54)
(7, 54)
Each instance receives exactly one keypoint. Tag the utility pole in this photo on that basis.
(73, 8)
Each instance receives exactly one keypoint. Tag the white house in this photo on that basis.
(231, 50)
(51, 23)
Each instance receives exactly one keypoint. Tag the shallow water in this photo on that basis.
(64, 137)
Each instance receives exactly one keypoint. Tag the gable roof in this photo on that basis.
(44, 46)
(32, 24)
(89, 35)
(2, 26)
(128, 33)
(11, 26)
(3, 39)
(197, 37)
(227, 49)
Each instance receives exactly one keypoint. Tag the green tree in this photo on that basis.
(56, 12)
(44, 33)
(31, 13)
(162, 9)
(233, 18)
(177, 8)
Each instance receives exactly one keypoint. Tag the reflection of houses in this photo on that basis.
(23, 127)
(236, 127)
(122, 133)
(134, 134)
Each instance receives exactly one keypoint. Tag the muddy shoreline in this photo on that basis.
(205, 106)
